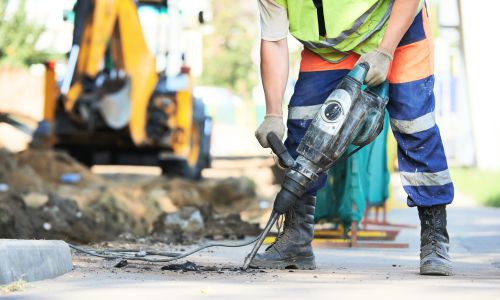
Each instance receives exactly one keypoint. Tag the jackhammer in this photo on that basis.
(352, 114)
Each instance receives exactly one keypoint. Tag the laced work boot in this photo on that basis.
(434, 241)
(292, 249)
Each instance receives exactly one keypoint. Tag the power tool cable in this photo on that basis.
(142, 255)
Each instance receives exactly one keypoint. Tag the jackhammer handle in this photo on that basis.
(285, 159)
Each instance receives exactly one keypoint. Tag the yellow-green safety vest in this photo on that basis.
(351, 25)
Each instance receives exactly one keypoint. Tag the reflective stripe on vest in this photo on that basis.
(330, 42)
(359, 27)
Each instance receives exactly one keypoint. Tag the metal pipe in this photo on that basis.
(70, 73)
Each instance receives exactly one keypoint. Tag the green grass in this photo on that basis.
(15, 286)
(483, 186)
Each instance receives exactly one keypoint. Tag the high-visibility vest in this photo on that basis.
(351, 25)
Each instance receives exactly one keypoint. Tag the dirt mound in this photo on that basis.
(51, 165)
(17, 176)
(40, 205)
(41, 170)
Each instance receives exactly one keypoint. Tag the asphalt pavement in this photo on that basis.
(341, 273)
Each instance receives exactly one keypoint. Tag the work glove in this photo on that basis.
(379, 62)
(271, 123)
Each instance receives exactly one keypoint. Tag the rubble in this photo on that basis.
(4, 187)
(229, 226)
(185, 267)
(59, 218)
(189, 266)
(191, 223)
(188, 220)
(35, 200)
(115, 263)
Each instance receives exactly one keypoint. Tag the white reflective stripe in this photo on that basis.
(422, 123)
(332, 42)
(303, 112)
(425, 179)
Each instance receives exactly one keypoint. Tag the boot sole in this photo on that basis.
(303, 263)
(436, 270)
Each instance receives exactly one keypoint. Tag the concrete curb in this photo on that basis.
(32, 260)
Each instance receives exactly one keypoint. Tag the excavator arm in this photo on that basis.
(112, 25)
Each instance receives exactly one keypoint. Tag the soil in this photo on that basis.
(59, 218)
(95, 208)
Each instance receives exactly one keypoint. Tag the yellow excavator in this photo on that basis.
(112, 106)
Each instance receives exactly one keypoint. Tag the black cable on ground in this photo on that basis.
(141, 255)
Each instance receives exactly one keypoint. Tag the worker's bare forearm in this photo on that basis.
(402, 15)
(274, 70)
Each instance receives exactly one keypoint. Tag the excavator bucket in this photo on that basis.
(115, 107)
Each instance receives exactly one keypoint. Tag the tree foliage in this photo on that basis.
(227, 50)
(18, 37)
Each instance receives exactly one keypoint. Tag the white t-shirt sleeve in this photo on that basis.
(273, 20)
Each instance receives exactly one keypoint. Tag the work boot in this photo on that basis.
(434, 241)
(292, 249)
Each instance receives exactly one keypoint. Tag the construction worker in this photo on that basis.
(394, 38)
